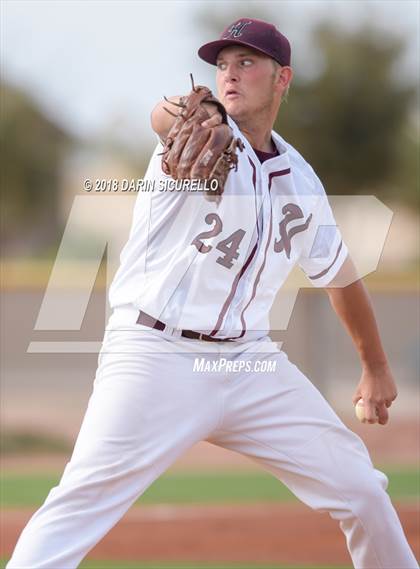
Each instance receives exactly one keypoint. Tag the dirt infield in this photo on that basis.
(253, 533)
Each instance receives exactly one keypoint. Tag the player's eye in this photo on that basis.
(221, 65)
(246, 62)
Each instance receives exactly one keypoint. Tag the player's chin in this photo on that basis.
(234, 109)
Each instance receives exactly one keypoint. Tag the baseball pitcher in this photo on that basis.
(187, 354)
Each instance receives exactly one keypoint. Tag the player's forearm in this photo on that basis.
(353, 306)
(161, 120)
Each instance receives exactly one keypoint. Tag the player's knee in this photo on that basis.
(370, 496)
(382, 479)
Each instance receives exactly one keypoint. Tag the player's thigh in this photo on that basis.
(145, 400)
(280, 407)
(285, 424)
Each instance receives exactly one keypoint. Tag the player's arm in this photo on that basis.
(162, 121)
(352, 304)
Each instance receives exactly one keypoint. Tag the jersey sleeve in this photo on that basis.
(154, 169)
(324, 251)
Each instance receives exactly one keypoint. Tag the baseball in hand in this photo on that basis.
(360, 411)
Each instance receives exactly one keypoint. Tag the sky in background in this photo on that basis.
(99, 67)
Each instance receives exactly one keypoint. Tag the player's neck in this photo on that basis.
(259, 138)
(257, 127)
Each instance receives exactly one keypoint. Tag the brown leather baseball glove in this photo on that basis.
(194, 152)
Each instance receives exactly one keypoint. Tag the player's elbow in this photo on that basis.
(157, 122)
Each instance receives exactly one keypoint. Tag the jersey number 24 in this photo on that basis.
(230, 245)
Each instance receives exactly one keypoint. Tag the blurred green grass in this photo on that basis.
(20, 490)
(18, 442)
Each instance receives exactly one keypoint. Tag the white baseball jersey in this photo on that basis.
(216, 268)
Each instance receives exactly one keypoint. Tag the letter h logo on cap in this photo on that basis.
(235, 31)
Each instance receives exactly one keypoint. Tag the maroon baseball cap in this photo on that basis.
(256, 34)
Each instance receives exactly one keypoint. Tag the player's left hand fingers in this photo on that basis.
(214, 120)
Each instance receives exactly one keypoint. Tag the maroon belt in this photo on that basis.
(151, 322)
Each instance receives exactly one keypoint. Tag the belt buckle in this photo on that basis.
(176, 332)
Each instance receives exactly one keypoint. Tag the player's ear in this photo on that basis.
(282, 78)
(285, 76)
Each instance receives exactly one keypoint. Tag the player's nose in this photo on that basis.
(231, 74)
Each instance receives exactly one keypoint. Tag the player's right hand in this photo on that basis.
(378, 390)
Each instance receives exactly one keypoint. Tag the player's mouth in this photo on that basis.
(231, 94)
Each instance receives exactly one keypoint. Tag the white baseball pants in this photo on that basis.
(149, 406)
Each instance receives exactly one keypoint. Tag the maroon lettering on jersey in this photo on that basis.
(291, 212)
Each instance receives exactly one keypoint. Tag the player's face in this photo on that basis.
(247, 82)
